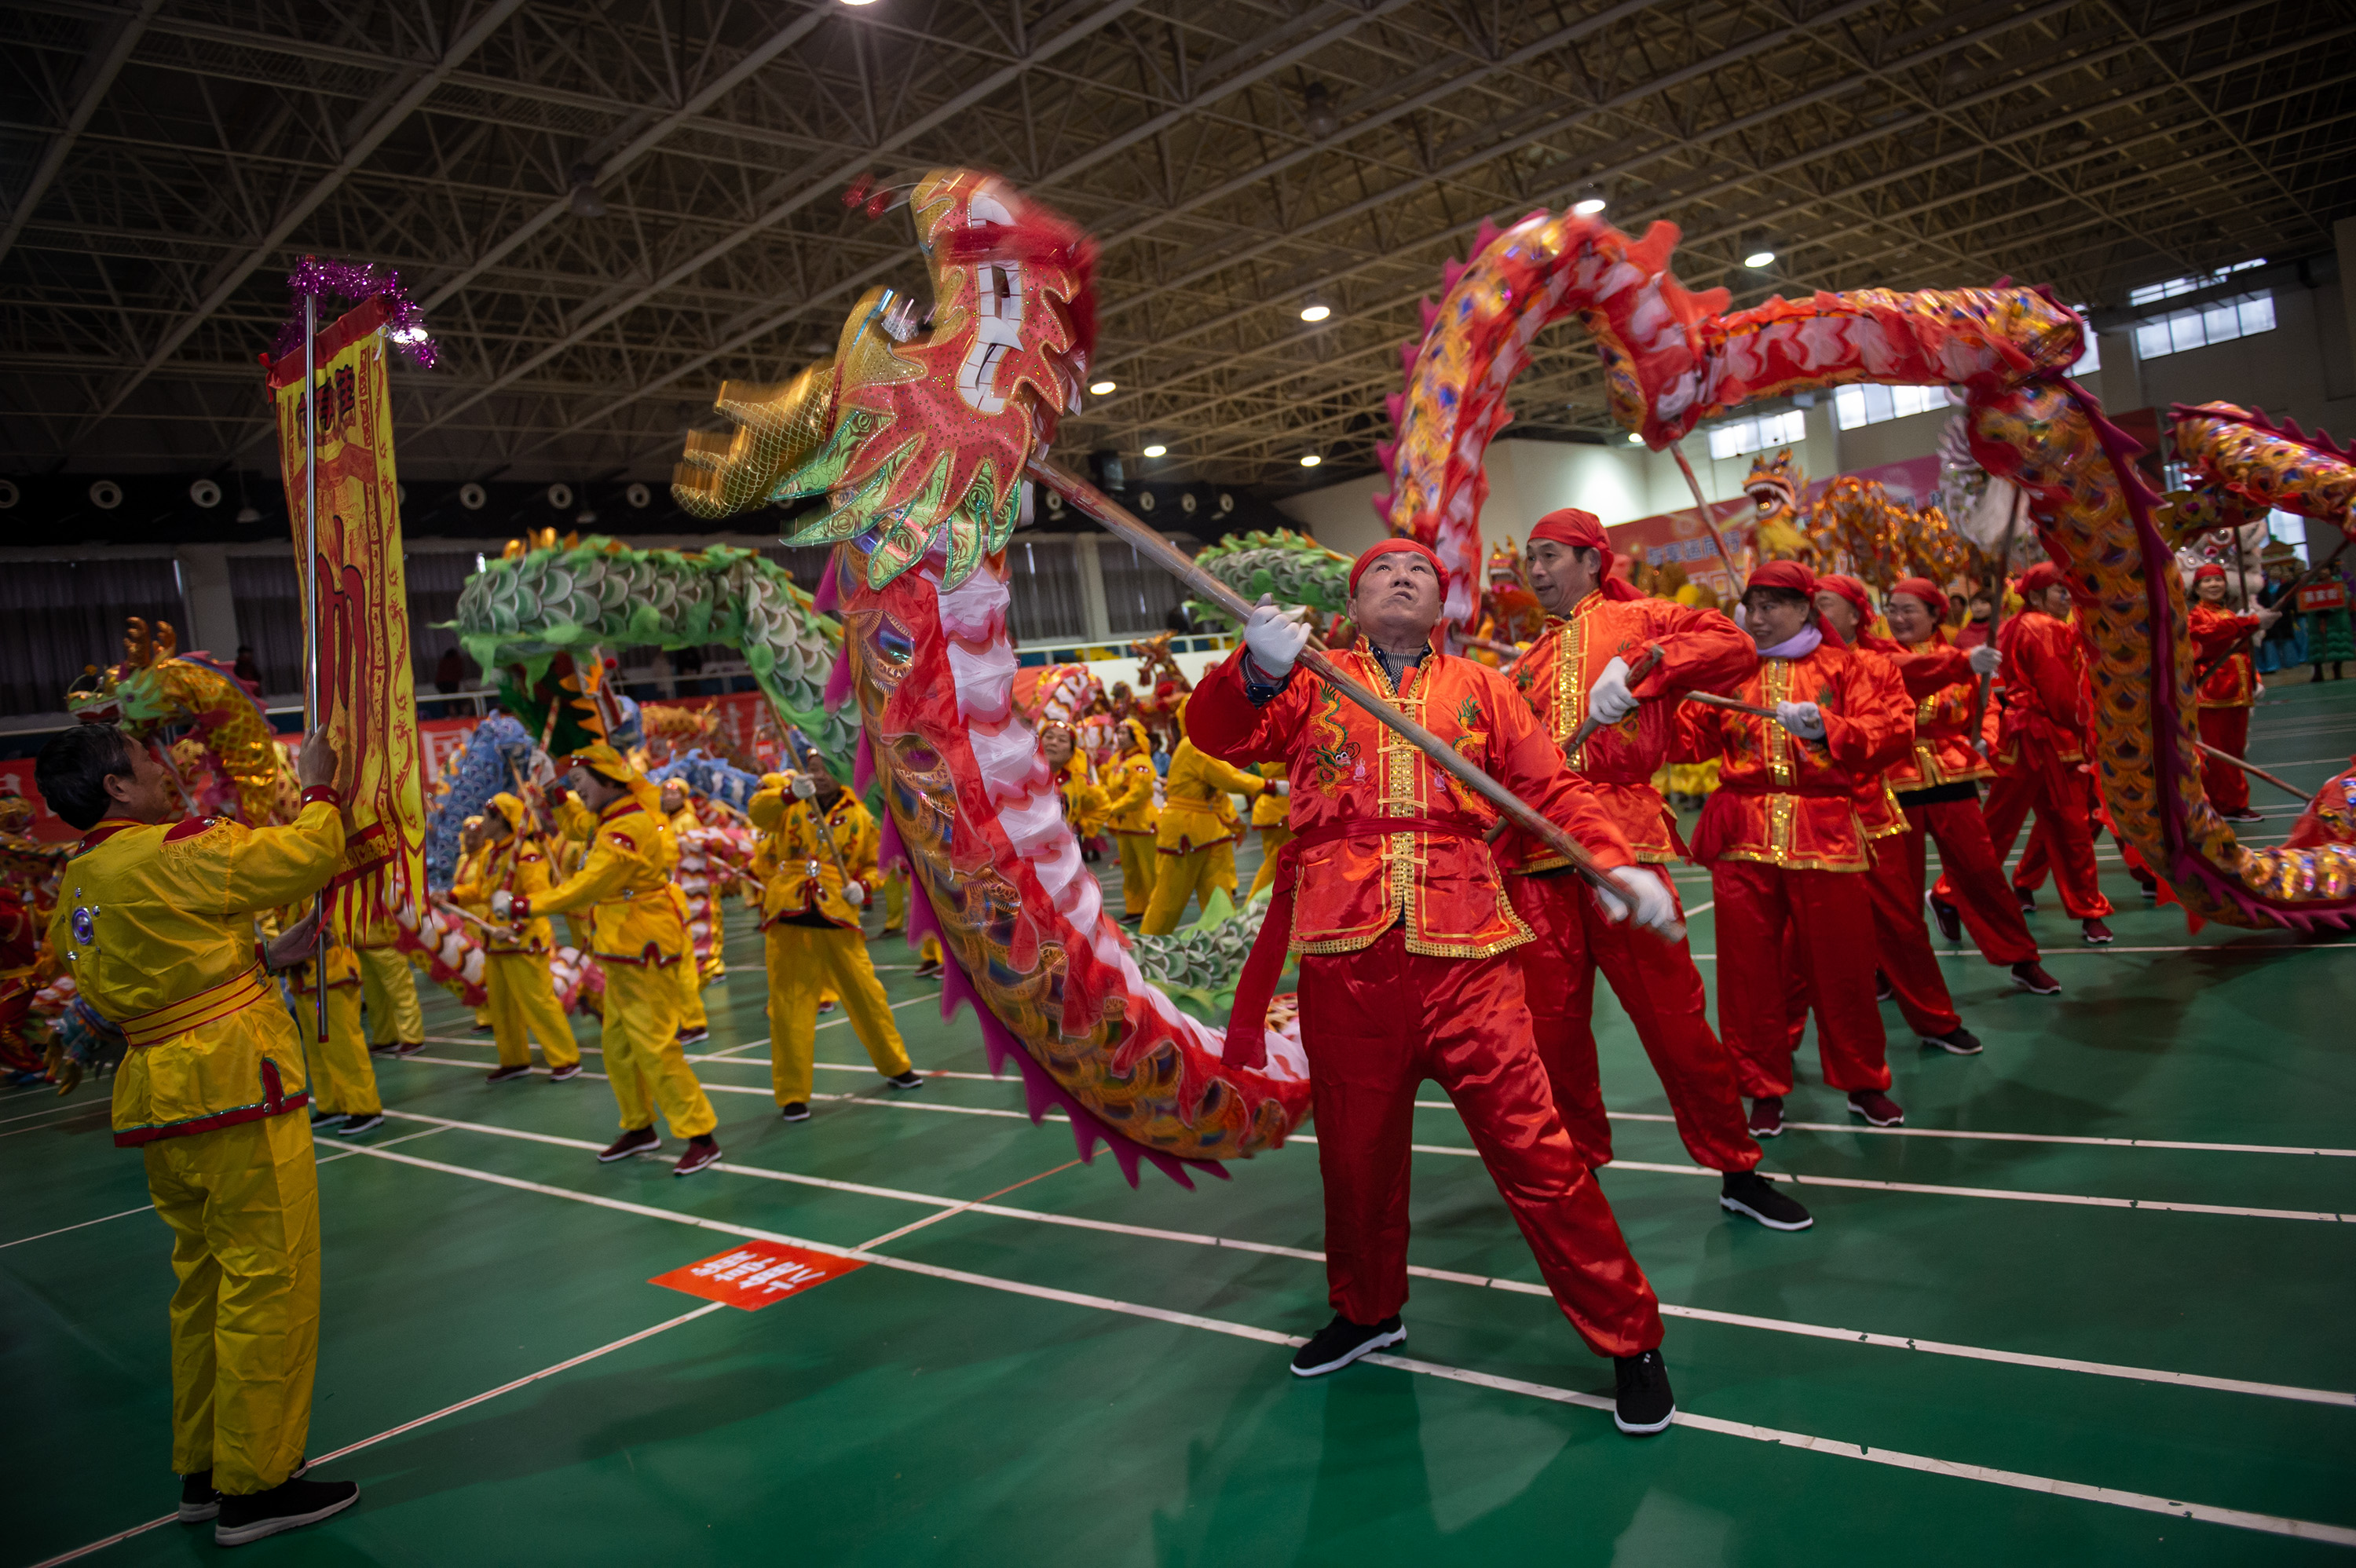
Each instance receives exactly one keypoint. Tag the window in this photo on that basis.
(2219, 322)
(1854, 406)
(1736, 437)
(2291, 529)
(2152, 294)
(1043, 577)
(1139, 595)
(58, 615)
(2090, 360)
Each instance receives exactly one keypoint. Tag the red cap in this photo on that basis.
(1581, 530)
(1392, 547)
(1851, 589)
(1928, 592)
(2039, 578)
(1788, 575)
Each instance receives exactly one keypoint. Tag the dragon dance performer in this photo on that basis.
(1939, 787)
(1782, 842)
(1084, 799)
(2042, 748)
(1389, 894)
(679, 817)
(1609, 650)
(816, 859)
(2221, 639)
(638, 925)
(155, 920)
(515, 968)
(1131, 818)
(475, 846)
(1197, 834)
(28, 894)
(1902, 936)
(345, 1094)
(396, 1022)
(1271, 815)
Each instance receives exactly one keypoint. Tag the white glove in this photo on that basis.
(501, 903)
(853, 894)
(1656, 910)
(1608, 700)
(1280, 788)
(1805, 720)
(1275, 636)
(1985, 659)
(805, 786)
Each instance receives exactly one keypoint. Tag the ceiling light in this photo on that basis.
(586, 201)
(1310, 460)
(1315, 311)
(859, 1)
(1156, 450)
(1101, 389)
(1317, 111)
(1591, 202)
(1635, 438)
(1759, 260)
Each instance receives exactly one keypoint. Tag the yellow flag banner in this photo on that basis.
(366, 698)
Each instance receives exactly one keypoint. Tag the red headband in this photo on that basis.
(1392, 547)
(2210, 569)
(1788, 575)
(1928, 592)
(2039, 578)
(1851, 589)
(1581, 530)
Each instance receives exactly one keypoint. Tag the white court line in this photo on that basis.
(1701, 909)
(58, 1110)
(2304, 1529)
(949, 1205)
(103, 1107)
(61, 1230)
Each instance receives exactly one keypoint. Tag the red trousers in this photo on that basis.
(1901, 937)
(2228, 730)
(1830, 918)
(2064, 800)
(1377, 1022)
(1660, 989)
(1971, 877)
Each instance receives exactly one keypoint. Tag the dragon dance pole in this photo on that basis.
(1701, 511)
(1154, 547)
(1996, 620)
(2252, 770)
(311, 588)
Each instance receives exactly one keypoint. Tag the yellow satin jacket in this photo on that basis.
(792, 861)
(638, 915)
(517, 865)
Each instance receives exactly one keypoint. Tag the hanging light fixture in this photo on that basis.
(586, 201)
(1758, 254)
(1155, 449)
(1317, 115)
(1590, 201)
(1315, 310)
(1104, 388)
(1635, 438)
(1310, 460)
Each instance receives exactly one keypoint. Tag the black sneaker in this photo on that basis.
(505, 1074)
(700, 1152)
(2031, 977)
(1945, 915)
(1767, 1117)
(2244, 815)
(826, 1007)
(912, 1079)
(1342, 1341)
(322, 1120)
(385, 1047)
(481, 1028)
(694, 1036)
(1882, 989)
(565, 1073)
(199, 1502)
(637, 1140)
(409, 1047)
(1877, 1108)
(354, 1126)
(1751, 1195)
(290, 1506)
(793, 1111)
(2028, 900)
(929, 969)
(1956, 1041)
(2094, 933)
(1643, 1405)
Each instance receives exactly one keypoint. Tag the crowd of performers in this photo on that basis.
(1846, 733)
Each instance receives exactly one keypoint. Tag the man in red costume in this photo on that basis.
(1390, 894)
(1939, 788)
(1784, 844)
(2222, 642)
(1609, 651)
(2043, 745)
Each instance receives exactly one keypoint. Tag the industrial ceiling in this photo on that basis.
(608, 206)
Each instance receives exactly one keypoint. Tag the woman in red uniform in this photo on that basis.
(2229, 690)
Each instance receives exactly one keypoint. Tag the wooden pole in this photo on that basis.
(1996, 619)
(2254, 771)
(1701, 510)
(311, 587)
(1159, 551)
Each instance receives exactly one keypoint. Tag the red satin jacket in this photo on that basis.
(1941, 685)
(1345, 766)
(1788, 802)
(2045, 698)
(1700, 650)
(2234, 682)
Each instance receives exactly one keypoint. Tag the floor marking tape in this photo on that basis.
(949, 1205)
(61, 1230)
(52, 1109)
(99, 1106)
(2298, 1528)
(1701, 909)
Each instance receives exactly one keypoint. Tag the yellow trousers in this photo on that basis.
(1272, 839)
(389, 991)
(691, 1016)
(342, 1076)
(1192, 874)
(895, 902)
(642, 1051)
(1139, 867)
(524, 1004)
(243, 1205)
(803, 960)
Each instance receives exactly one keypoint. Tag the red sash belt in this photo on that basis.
(1247, 1041)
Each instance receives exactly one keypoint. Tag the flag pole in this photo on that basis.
(311, 713)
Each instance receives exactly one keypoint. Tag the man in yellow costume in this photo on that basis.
(678, 815)
(1196, 836)
(515, 961)
(474, 845)
(1130, 817)
(1272, 815)
(155, 921)
(638, 936)
(817, 857)
(396, 1023)
(343, 1080)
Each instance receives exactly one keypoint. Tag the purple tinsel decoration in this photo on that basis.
(323, 279)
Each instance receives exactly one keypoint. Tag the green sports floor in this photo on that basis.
(2090, 1305)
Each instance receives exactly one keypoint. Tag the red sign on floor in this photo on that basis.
(756, 1274)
